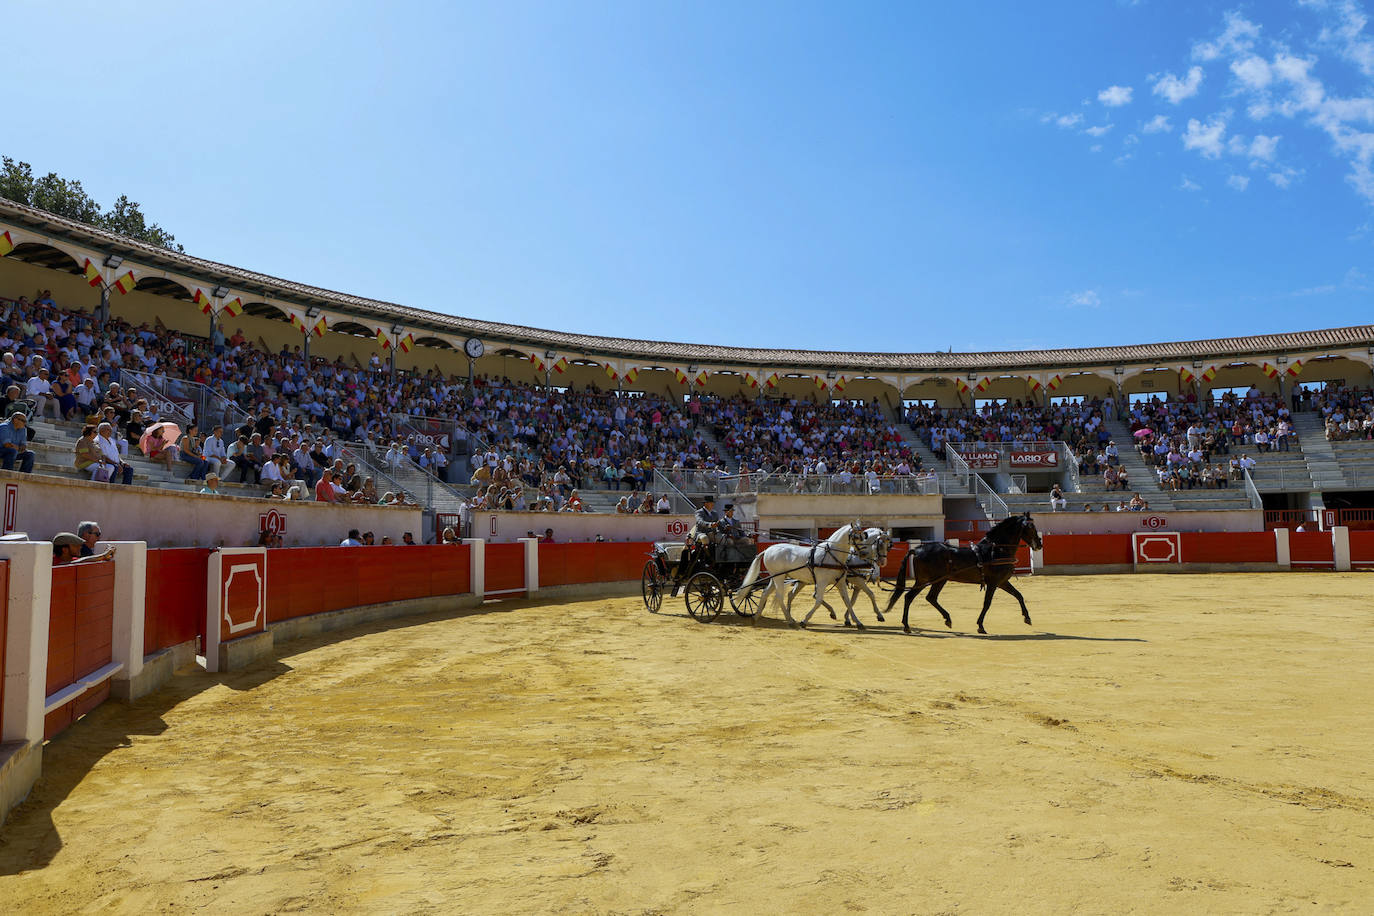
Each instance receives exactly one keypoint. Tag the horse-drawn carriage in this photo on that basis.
(708, 575)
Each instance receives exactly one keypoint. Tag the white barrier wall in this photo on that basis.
(43, 506)
(1048, 522)
(507, 527)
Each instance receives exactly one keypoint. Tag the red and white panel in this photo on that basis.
(236, 598)
(1156, 548)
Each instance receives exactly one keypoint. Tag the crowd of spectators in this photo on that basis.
(851, 441)
(1183, 440)
(1347, 412)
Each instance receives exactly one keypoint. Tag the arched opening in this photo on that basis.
(263, 310)
(45, 256)
(161, 286)
(353, 328)
(436, 342)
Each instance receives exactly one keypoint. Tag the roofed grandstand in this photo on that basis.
(291, 392)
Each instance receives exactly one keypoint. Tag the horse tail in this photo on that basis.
(901, 582)
(753, 572)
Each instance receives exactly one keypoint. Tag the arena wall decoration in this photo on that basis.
(52, 252)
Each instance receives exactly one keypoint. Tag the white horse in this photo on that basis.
(823, 565)
(863, 570)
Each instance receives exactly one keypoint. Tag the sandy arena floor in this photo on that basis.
(1166, 744)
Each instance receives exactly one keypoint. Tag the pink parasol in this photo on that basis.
(1144, 433)
(170, 434)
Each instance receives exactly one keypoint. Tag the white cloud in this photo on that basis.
(1284, 177)
(1236, 39)
(1253, 72)
(1206, 138)
(1346, 33)
(1239, 182)
(1095, 148)
(1072, 120)
(1175, 89)
(1115, 96)
(1130, 140)
(1157, 124)
(1263, 148)
(1098, 130)
(1087, 298)
(1187, 184)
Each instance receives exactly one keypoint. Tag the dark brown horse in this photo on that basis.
(989, 563)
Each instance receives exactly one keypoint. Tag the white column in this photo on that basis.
(26, 639)
(531, 564)
(478, 575)
(131, 585)
(1281, 548)
(1340, 547)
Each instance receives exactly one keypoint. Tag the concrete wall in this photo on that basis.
(42, 506)
(1127, 522)
(507, 527)
(811, 511)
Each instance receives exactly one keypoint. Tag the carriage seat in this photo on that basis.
(671, 550)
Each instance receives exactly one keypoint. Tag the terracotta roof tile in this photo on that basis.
(1260, 346)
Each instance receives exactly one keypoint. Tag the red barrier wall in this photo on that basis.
(1361, 548)
(1229, 547)
(175, 604)
(895, 556)
(1087, 549)
(1311, 548)
(312, 580)
(505, 569)
(4, 628)
(80, 625)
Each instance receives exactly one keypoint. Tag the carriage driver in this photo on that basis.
(707, 521)
(732, 532)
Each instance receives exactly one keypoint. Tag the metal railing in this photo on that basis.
(1252, 491)
(205, 405)
(992, 502)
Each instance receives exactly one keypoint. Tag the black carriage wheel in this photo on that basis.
(651, 585)
(749, 601)
(704, 596)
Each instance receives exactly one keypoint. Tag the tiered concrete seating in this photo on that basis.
(54, 447)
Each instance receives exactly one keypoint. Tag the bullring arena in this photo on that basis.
(235, 710)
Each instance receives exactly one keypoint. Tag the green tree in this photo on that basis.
(68, 198)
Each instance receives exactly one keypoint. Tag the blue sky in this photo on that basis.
(869, 176)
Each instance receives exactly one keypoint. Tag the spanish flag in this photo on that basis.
(983, 385)
(1055, 382)
(750, 380)
(1034, 384)
(1269, 370)
(702, 378)
(611, 373)
(125, 284)
(93, 274)
(6, 244)
(319, 327)
(820, 382)
(630, 375)
(233, 307)
(961, 386)
(680, 376)
(297, 322)
(406, 342)
(561, 366)
(383, 338)
(537, 363)
(840, 383)
(1296, 368)
(1209, 374)
(202, 299)
(1185, 374)
(773, 380)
